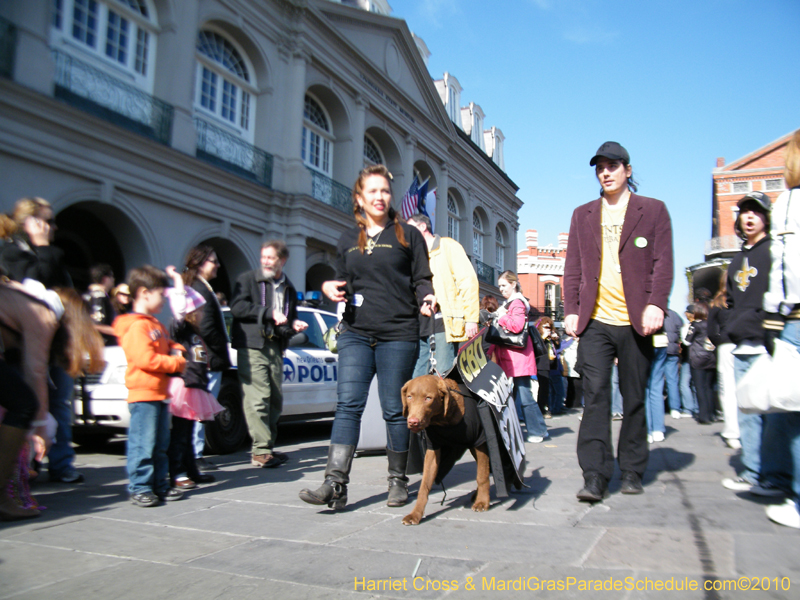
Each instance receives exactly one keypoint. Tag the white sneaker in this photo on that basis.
(784, 514)
(733, 443)
(675, 414)
(658, 436)
(737, 485)
(534, 439)
(767, 489)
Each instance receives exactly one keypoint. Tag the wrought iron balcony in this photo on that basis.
(485, 272)
(225, 150)
(8, 45)
(331, 192)
(95, 91)
(725, 243)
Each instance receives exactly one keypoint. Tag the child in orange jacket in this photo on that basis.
(151, 356)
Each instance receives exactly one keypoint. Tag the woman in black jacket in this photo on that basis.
(704, 363)
(201, 267)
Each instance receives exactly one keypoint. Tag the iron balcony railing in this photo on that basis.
(8, 45)
(96, 92)
(554, 312)
(725, 243)
(331, 192)
(227, 151)
(485, 272)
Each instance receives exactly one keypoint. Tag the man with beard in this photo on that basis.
(264, 309)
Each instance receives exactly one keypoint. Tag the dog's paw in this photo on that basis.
(480, 506)
(412, 519)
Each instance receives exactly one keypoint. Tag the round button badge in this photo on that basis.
(640, 242)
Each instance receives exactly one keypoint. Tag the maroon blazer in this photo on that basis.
(645, 259)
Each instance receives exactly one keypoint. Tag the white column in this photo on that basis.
(440, 225)
(33, 62)
(296, 265)
(359, 128)
(176, 69)
(296, 176)
(408, 166)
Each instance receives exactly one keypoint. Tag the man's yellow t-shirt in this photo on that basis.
(610, 307)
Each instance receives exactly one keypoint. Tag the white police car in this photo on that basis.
(309, 389)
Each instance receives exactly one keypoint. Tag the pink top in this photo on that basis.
(515, 362)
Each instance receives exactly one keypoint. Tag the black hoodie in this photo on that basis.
(748, 281)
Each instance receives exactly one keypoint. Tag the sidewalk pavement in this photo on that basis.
(248, 536)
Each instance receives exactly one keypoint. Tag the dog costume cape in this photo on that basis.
(489, 415)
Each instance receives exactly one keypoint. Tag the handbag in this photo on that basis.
(331, 337)
(537, 341)
(769, 385)
(500, 336)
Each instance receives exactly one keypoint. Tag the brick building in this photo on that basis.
(762, 171)
(541, 271)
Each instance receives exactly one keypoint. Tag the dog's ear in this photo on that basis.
(444, 393)
(403, 393)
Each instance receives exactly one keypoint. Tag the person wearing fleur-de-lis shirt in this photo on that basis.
(617, 279)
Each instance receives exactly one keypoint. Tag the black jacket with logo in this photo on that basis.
(748, 281)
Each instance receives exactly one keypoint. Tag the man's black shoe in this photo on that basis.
(594, 489)
(631, 483)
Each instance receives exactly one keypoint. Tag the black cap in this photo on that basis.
(613, 151)
(759, 198)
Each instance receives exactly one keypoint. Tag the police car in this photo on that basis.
(309, 389)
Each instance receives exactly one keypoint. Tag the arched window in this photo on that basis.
(224, 83)
(317, 148)
(477, 236)
(120, 33)
(372, 153)
(452, 217)
(499, 250)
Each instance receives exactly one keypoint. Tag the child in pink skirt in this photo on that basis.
(190, 399)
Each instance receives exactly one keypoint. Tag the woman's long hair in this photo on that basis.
(195, 258)
(77, 345)
(720, 300)
(361, 220)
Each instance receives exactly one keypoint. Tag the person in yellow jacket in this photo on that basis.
(455, 286)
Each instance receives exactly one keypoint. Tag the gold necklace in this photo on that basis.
(372, 242)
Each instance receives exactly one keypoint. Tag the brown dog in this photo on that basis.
(431, 400)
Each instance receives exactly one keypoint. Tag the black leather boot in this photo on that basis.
(398, 482)
(333, 491)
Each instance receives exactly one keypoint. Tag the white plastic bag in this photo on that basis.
(771, 384)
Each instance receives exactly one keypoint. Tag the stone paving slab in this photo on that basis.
(249, 536)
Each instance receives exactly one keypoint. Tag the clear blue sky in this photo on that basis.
(678, 83)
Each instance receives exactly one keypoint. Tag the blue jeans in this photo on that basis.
(61, 453)
(654, 400)
(616, 395)
(148, 440)
(445, 355)
(557, 392)
(360, 358)
(751, 427)
(688, 395)
(671, 372)
(199, 432)
(528, 407)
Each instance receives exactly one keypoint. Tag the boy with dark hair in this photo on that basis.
(748, 281)
(151, 356)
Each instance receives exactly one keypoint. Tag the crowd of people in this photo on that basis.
(408, 299)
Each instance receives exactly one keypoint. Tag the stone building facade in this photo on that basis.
(156, 125)
(541, 273)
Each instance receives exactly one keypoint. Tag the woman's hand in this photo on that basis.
(428, 305)
(334, 290)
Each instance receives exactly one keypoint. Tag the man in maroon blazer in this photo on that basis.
(617, 280)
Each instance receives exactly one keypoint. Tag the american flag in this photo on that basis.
(410, 200)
